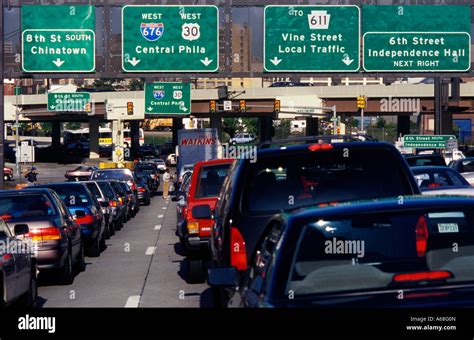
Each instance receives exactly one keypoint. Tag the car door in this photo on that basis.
(71, 228)
(22, 254)
(8, 267)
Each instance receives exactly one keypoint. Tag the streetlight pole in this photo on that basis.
(17, 128)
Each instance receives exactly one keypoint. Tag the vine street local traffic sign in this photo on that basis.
(168, 98)
(430, 141)
(69, 102)
(170, 38)
(311, 38)
(417, 38)
(58, 38)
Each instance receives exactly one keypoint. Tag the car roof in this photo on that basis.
(213, 162)
(28, 191)
(431, 167)
(424, 155)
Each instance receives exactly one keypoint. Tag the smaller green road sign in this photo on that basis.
(429, 141)
(69, 102)
(168, 98)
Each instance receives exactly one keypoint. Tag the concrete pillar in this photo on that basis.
(56, 135)
(94, 138)
(447, 123)
(312, 126)
(265, 127)
(135, 137)
(177, 125)
(403, 125)
(216, 123)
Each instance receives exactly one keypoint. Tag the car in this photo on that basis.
(171, 160)
(158, 162)
(362, 254)
(124, 199)
(144, 194)
(77, 197)
(441, 180)
(150, 170)
(53, 230)
(289, 177)
(116, 203)
(180, 197)
(194, 232)
(104, 202)
(18, 271)
(81, 173)
(148, 150)
(242, 138)
(132, 198)
(425, 159)
(465, 167)
(7, 174)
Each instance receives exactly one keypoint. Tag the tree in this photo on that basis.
(250, 125)
(230, 125)
(381, 123)
(283, 129)
(136, 84)
(104, 85)
(72, 125)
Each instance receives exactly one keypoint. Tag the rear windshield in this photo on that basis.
(426, 161)
(117, 175)
(94, 189)
(73, 195)
(25, 206)
(106, 190)
(291, 181)
(118, 188)
(125, 187)
(210, 180)
(428, 179)
(364, 252)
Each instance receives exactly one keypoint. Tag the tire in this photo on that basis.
(197, 272)
(103, 245)
(94, 250)
(112, 228)
(147, 202)
(107, 233)
(79, 147)
(66, 276)
(29, 299)
(81, 261)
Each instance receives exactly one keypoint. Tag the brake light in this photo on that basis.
(87, 219)
(238, 253)
(422, 276)
(5, 258)
(421, 232)
(121, 200)
(193, 227)
(44, 234)
(434, 185)
(132, 185)
(320, 147)
(6, 217)
(113, 203)
(141, 189)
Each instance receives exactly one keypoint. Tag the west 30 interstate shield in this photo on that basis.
(152, 31)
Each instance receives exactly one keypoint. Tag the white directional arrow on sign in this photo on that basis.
(149, 108)
(58, 62)
(275, 61)
(52, 107)
(206, 61)
(134, 61)
(346, 60)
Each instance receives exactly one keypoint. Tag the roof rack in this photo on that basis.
(317, 139)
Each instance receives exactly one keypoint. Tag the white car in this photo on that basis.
(441, 180)
(242, 138)
(158, 162)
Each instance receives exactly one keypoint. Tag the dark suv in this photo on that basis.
(290, 177)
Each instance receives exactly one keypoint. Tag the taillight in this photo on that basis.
(5, 258)
(6, 217)
(319, 147)
(193, 227)
(434, 185)
(238, 253)
(113, 203)
(132, 185)
(421, 232)
(87, 219)
(44, 234)
(422, 276)
(120, 200)
(141, 189)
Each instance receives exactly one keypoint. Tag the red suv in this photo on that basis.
(195, 231)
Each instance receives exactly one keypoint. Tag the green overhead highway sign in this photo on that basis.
(429, 141)
(416, 38)
(168, 98)
(170, 38)
(58, 38)
(311, 38)
(69, 102)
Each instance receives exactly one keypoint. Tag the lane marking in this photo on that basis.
(133, 301)
(164, 208)
(157, 227)
(161, 216)
(150, 251)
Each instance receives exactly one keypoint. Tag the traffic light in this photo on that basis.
(361, 102)
(212, 106)
(130, 108)
(88, 108)
(242, 106)
(338, 130)
(276, 106)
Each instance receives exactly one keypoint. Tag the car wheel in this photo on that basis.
(81, 260)
(29, 299)
(94, 250)
(107, 231)
(147, 202)
(112, 228)
(102, 243)
(66, 276)
(197, 273)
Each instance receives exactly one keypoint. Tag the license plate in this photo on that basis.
(448, 227)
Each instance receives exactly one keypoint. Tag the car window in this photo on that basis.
(94, 189)
(106, 190)
(279, 182)
(467, 166)
(433, 179)
(210, 179)
(4, 231)
(20, 206)
(73, 195)
(117, 175)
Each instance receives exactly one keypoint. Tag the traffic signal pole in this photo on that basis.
(2, 119)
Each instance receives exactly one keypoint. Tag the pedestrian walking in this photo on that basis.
(31, 176)
(166, 183)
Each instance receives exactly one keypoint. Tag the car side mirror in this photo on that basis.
(21, 229)
(104, 204)
(202, 211)
(80, 213)
(222, 277)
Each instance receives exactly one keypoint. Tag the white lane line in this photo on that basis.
(164, 208)
(160, 216)
(133, 301)
(150, 251)
(157, 227)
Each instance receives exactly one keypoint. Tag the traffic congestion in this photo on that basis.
(310, 222)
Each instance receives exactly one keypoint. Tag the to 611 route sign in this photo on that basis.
(311, 38)
(58, 38)
(170, 38)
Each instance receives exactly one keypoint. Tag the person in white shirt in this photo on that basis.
(166, 183)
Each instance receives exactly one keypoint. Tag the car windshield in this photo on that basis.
(276, 183)
(20, 206)
(106, 190)
(94, 189)
(364, 252)
(72, 195)
(428, 179)
(112, 174)
(210, 180)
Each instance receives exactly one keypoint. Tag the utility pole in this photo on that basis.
(2, 106)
